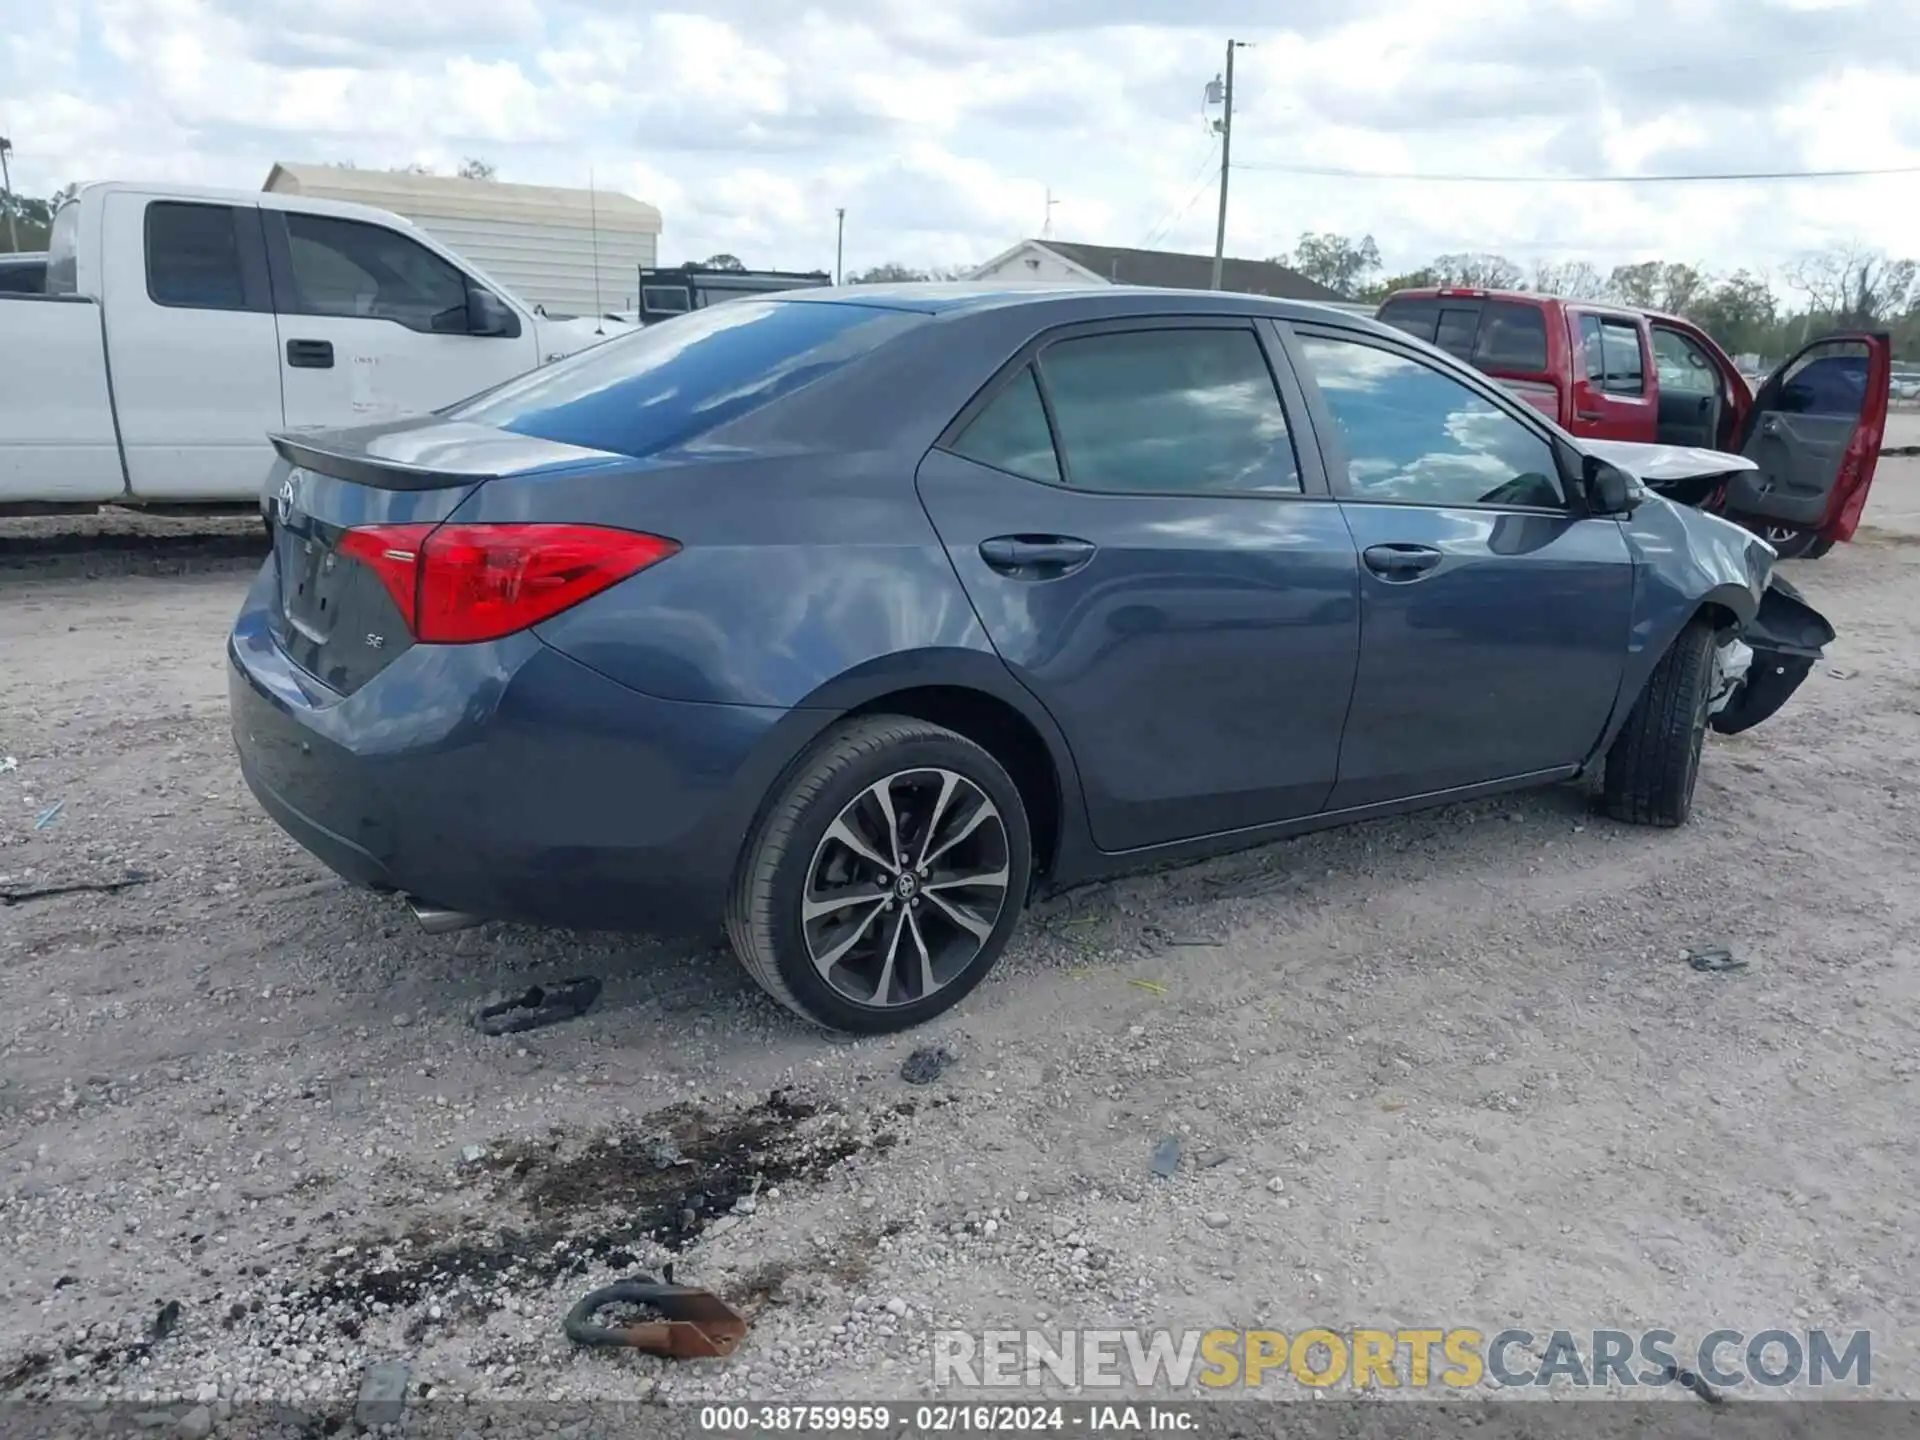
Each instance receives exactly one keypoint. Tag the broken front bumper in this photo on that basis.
(1786, 636)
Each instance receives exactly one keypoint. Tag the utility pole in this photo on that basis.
(1225, 126)
(1046, 228)
(839, 242)
(6, 186)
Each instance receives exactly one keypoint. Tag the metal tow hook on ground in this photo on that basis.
(696, 1324)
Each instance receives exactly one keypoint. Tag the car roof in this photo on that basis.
(1524, 297)
(1062, 303)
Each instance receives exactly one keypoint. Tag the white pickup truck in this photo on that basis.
(180, 326)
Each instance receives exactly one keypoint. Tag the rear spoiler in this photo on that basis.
(391, 456)
(362, 469)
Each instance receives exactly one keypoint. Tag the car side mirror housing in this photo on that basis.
(1610, 490)
(488, 314)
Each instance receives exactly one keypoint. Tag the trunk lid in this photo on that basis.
(332, 614)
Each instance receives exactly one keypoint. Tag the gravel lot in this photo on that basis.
(1438, 1071)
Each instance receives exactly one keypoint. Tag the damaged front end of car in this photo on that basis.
(1758, 669)
(1774, 637)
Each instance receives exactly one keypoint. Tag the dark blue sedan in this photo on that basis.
(852, 618)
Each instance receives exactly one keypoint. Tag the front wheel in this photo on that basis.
(1793, 543)
(1654, 762)
(885, 879)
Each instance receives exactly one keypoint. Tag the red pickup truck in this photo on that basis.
(1604, 372)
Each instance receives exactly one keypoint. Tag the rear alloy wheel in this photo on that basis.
(885, 880)
(1654, 762)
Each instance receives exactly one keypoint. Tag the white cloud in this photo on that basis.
(942, 129)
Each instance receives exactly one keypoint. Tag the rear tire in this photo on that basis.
(825, 928)
(1818, 549)
(1654, 762)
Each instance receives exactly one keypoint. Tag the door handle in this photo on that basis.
(310, 354)
(1589, 415)
(1399, 563)
(1036, 557)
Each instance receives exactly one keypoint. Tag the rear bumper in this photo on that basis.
(508, 781)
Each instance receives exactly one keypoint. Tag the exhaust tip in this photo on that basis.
(438, 920)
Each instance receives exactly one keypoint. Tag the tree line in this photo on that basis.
(1843, 287)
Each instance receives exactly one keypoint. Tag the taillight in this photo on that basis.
(393, 553)
(456, 584)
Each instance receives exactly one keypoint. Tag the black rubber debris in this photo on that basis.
(164, 1322)
(924, 1066)
(84, 887)
(1714, 962)
(540, 1005)
(1694, 1383)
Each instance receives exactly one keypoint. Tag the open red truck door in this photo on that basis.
(1814, 430)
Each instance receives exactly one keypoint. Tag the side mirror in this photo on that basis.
(1610, 490)
(488, 314)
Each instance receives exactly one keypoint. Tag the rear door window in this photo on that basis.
(193, 256)
(1169, 412)
(1012, 434)
(655, 387)
(1610, 353)
(1511, 337)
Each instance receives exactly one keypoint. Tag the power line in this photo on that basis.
(1203, 174)
(1337, 172)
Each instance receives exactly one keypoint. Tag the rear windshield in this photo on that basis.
(648, 391)
(1491, 335)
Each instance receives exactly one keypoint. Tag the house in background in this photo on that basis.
(1060, 261)
(574, 252)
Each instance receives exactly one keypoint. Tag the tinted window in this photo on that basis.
(348, 269)
(653, 388)
(1011, 433)
(1828, 382)
(1511, 337)
(1457, 329)
(1416, 317)
(1682, 365)
(23, 277)
(1610, 351)
(1169, 411)
(1414, 435)
(193, 256)
(665, 298)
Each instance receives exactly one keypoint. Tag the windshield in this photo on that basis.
(647, 391)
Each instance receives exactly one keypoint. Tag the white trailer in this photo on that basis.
(566, 251)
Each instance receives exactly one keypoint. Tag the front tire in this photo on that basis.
(886, 877)
(1791, 542)
(1654, 763)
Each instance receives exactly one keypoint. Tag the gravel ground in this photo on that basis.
(1447, 1070)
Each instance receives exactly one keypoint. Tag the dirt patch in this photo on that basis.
(603, 1199)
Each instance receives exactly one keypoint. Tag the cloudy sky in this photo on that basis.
(942, 126)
